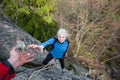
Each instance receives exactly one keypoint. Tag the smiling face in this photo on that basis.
(61, 38)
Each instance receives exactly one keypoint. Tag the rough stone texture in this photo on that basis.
(52, 72)
(10, 33)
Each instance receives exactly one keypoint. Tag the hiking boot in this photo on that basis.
(63, 71)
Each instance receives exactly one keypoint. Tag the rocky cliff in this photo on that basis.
(10, 33)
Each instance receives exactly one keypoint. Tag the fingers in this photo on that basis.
(33, 46)
(41, 50)
(27, 57)
(36, 46)
(30, 55)
(29, 60)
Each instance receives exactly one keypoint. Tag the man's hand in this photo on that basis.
(19, 58)
(24, 57)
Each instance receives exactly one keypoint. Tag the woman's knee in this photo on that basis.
(44, 62)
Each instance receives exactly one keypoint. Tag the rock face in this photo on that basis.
(10, 33)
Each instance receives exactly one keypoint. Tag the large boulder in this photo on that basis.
(11, 33)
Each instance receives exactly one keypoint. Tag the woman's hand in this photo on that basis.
(34, 46)
(41, 48)
(37, 47)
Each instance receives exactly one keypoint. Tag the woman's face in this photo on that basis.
(61, 38)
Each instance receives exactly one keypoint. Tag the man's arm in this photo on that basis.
(6, 71)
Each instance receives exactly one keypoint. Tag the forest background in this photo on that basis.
(93, 25)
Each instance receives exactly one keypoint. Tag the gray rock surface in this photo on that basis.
(52, 72)
(10, 33)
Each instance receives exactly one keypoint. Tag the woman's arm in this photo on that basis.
(48, 42)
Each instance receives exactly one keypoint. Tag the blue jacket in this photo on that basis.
(59, 49)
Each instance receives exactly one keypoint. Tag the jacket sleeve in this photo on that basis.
(66, 51)
(67, 47)
(48, 42)
(6, 71)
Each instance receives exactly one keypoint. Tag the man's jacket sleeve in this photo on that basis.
(6, 71)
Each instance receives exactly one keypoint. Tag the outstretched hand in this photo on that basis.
(36, 47)
(17, 59)
(24, 57)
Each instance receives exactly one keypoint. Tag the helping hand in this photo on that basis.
(37, 47)
(17, 59)
(34, 46)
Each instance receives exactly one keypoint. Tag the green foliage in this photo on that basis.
(34, 16)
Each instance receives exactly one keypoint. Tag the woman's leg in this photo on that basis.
(47, 59)
(62, 63)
